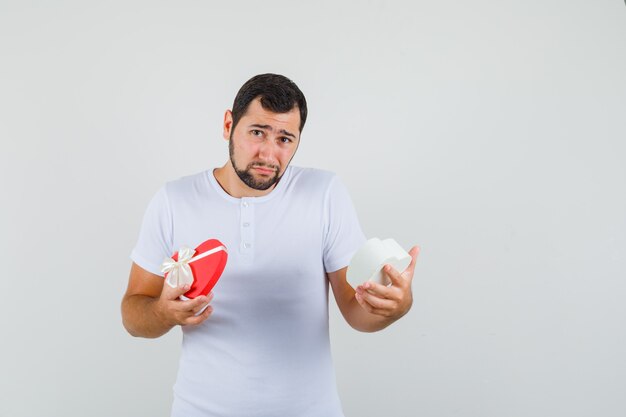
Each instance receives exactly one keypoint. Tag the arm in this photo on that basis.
(150, 308)
(372, 306)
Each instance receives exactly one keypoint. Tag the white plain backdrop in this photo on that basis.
(491, 133)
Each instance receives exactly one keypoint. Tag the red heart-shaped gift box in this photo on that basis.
(207, 270)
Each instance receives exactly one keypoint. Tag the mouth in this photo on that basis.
(264, 170)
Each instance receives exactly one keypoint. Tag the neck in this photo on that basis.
(230, 182)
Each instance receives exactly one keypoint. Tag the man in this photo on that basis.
(261, 348)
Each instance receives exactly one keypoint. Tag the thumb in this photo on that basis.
(170, 293)
(414, 252)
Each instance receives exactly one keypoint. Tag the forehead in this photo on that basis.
(256, 114)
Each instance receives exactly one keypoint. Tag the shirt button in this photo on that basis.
(246, 224)
(245, 204)
(247, 245)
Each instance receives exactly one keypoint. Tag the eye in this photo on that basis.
(285, 139)
(256, 132)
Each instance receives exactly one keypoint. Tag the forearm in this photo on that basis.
(140, 317)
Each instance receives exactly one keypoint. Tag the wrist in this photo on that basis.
(160, 312)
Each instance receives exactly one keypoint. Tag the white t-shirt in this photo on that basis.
(265, 350)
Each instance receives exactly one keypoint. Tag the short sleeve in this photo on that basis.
(343, 235)
(155, 236)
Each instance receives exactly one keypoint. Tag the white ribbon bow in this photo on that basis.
(179, 272)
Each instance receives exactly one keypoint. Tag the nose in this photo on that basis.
(267, 151)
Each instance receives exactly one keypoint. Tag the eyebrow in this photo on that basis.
(270, 128)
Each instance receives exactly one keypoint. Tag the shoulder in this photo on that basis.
(312, 178)
(186, 186)
(312, 184)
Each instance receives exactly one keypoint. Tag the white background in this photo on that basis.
(492, 133)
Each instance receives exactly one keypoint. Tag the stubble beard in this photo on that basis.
(246, 175)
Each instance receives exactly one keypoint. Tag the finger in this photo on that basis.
(194, 320)
(204, 302)
(191, 306)
(366, 306)
(377, 302)
(414, 252)
(394, 276)
(173, 293)
(379, 290)
(369, 308)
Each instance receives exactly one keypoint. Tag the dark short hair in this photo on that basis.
(278, 94)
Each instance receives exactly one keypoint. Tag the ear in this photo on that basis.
(228, 124)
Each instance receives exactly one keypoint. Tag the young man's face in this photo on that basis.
(262, 144)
